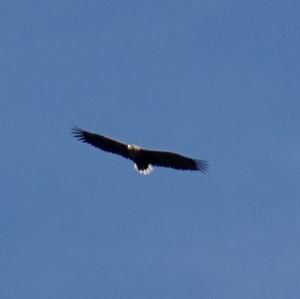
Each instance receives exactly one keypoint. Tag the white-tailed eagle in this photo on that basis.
(144, 159)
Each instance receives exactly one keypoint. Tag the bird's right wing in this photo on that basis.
(102, 142)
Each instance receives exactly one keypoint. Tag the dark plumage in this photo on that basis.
(143, 158)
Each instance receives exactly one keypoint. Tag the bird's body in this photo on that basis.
(134, 153)
(143, 159)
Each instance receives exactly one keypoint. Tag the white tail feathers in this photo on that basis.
(146, 171)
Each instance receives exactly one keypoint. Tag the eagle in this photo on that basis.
(144, 159)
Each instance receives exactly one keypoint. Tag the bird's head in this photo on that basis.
(133, 147)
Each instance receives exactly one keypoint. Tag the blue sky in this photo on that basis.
(216, 80)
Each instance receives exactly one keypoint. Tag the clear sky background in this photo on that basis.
(216, 80)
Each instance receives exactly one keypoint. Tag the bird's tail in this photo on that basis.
(144, 171)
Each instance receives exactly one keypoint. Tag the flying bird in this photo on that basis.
(144, 159)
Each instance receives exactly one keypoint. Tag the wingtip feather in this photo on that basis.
(78, 133)
(202, 166)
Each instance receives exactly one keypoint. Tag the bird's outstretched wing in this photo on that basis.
(173, 160)
(102, 142)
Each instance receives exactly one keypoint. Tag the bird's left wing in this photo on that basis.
(102, 142)
(173, 160)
